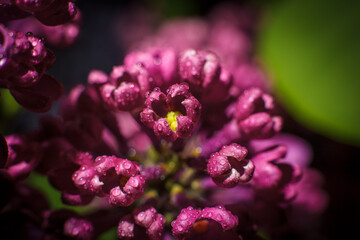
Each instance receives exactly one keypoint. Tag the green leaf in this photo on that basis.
(312, 50)
(9, 108)
(110, 234)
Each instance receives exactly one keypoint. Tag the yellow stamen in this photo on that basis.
(171, 119)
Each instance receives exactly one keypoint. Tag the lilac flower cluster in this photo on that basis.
(183, 139)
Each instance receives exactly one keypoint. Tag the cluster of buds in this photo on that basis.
(23, 61)
(166, 145)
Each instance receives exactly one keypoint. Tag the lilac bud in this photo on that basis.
(228, 167)
(23, 156)
(192, 223)
(97, 77)
(253, 115)
(78, 229)
(126, 87)
(203, 72)
(182, 225)
(160, 63)
(126, 228)
(143, 221)
(273, 177)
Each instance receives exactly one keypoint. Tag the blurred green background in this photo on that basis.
(312, 51)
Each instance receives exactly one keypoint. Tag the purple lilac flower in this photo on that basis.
(204, 74)
(23, 156)
(125, 88)
(23, 61)
(78, 228)
(273, 177)
(228, 167)
(118, 179)
(198, 224)
(66, 224)
(144, 222)
(161, 63)
(173, 115)
(228, 174)
(252, 113)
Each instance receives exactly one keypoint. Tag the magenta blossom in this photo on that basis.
(208, 223)
(23, 61)
(228, 167)
(274, 178)
(144, 222)
(203, 72)
(23, 156)
(125, 88)
(161, 63)
(118, 179)
(253, 113)
(171, 116)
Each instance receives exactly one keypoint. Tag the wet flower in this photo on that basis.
(125, 88)
(252, 114)
(144, 222)
(204, 74)
(208, 223)
(171, 116)
(23, 61)
(116, 178)
(228, 167)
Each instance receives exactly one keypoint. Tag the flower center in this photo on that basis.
(171, 119)
(201, 226)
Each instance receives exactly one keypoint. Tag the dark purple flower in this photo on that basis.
(161, 64)
(310, 197)
(116, 178)
(228, 167)
(173, 115)
(125, 89)
(273, 177)
(209, 223)
(253, 113)
(204, 74)
(23, 156)
(144, 222)
(76, 228)
(23, 61)
(63, 223)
